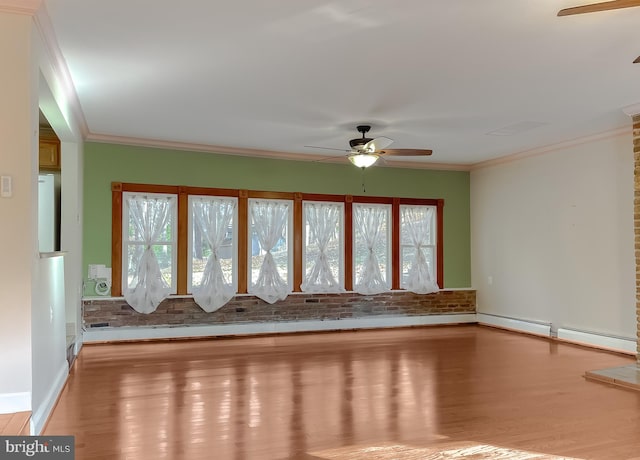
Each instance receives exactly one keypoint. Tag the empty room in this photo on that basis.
(320, 230)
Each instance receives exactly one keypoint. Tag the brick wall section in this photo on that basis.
(636, 216)
(296, 307)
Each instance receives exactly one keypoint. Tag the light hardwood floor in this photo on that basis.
(339, 395)
(15, 424)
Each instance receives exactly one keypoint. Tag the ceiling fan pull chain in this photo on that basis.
(363, 188)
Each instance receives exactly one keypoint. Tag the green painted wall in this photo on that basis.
(106, 163)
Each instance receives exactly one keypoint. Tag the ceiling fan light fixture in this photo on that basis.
(363, 160)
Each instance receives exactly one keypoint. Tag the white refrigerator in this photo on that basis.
(46, 213)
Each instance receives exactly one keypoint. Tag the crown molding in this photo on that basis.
(272, 154)
(387, 163)
(632, 110)
(426, 166)
(37, 9)
(550, 148)
(28, 7)
(59, 64)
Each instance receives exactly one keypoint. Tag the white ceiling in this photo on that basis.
(278, 75)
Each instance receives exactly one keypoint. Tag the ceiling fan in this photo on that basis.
(365, 151)
(602, 6)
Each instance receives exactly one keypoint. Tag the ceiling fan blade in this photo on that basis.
(377, 144)
(406, 152)
(602, 6)
(637, 61)
(335, 158)
(326, 148)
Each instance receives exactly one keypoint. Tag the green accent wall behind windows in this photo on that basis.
(106, 163)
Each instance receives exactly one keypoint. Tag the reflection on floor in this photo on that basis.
(625, 376)
(327, 396)
(15, 424)
(448, 451)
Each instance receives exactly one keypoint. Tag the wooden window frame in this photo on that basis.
(188, 230)
(390, 275)
(439, 265)
(342, 237)
(126, 243)
(183, 192)
(292, 242)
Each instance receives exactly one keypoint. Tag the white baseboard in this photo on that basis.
(40, 414)
(619, 344)
(15, 402)
(530, 327)
(142, 333)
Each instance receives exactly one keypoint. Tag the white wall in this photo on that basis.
(71, 231)
(52, 101)
(32, 307)
(50, 367)
(57, 292)
(552, 237)
(18, 214)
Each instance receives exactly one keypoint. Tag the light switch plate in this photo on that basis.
(6, 187)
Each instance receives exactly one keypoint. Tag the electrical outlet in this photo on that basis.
(95, 271)
(103, 273)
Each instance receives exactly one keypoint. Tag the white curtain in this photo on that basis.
(322, 220)
(213, 216)
(269, 221)
(417, 227)
(370, 223)
(149, 217)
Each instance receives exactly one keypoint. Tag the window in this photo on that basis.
(323, 247)
(268, 243)
(371, 249)
(148, 248)
(270, 265)
(213, 250)
(418, 248)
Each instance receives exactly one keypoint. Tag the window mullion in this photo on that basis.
(243, 241)
(440, 244)
(348, 243)
(395, 244)
(297, 242)
(182, 255)
(116, 239)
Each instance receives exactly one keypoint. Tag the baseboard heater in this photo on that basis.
(593, 339)
(599, 340)
(115, 334)
(515, 324)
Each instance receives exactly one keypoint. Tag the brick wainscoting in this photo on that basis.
(297, 307)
